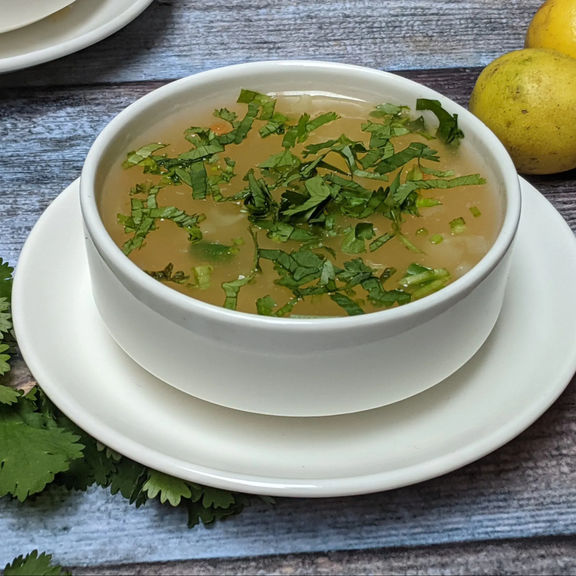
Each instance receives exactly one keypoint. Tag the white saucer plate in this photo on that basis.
(521, 370)
(77, 26)
(19, 14)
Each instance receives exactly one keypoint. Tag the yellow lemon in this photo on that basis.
(528, 99)
(554, 26)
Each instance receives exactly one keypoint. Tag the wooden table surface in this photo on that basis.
(513, 511)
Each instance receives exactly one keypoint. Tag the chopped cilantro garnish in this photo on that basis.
(419, 281)
(212, 251)
(202, 276)
(308, 196)
(167, 274)
(448, 130)
(146, 214)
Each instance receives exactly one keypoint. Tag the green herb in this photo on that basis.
(266, 306)
(420, 281)
(41, 447)
(202, 276)
(33, 452)
(141, 156)
(232, 289)
(168, 275)
(34, 564)
(458, 225)
(474, 210)
(302, 194)
(213, 251)
(448, 130)
(7, 341)
(345, 302)
(146, 213)
(380, 241)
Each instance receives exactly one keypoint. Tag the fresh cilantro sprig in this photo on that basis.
(40, 447)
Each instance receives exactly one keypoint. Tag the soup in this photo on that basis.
(299, 205)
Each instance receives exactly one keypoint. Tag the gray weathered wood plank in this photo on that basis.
(460, 523)
(538, 556)
(64, 122)
(175, 38)
(527, 488)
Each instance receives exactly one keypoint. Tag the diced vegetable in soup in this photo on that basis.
(299, 205)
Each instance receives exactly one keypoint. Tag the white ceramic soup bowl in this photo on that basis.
(292, 366)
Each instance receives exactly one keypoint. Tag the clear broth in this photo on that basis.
(227, 222)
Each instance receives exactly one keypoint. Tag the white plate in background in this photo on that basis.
(77, 26)
(20, 13)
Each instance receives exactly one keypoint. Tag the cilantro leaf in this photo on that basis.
(295, 268)
(208, 505)
(6, 272)
(142, 155)
(355, 272)
(232, 289)
(8, 395)
(4, 359)
(128, 479)
(265, 306)
(167, 488)
(32, 456)
(263, 101)
(384, 298)
(318, 192)
(34, 564)
(345, 302)
(258, 199)
(97, 466)
(283, 231)
(5, 316)
(412, 151)
(380, 241)
(354, 239)
(216, 498)
(213, 251)
(448, 130)
(300, 131)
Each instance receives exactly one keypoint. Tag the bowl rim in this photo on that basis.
(159, 292)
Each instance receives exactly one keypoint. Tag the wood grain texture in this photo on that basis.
(175, 38)
(525, 489)
(62, 123)
(538, 556)
(513, 511)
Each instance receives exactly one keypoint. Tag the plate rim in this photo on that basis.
(313, 487)
(56, 50)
